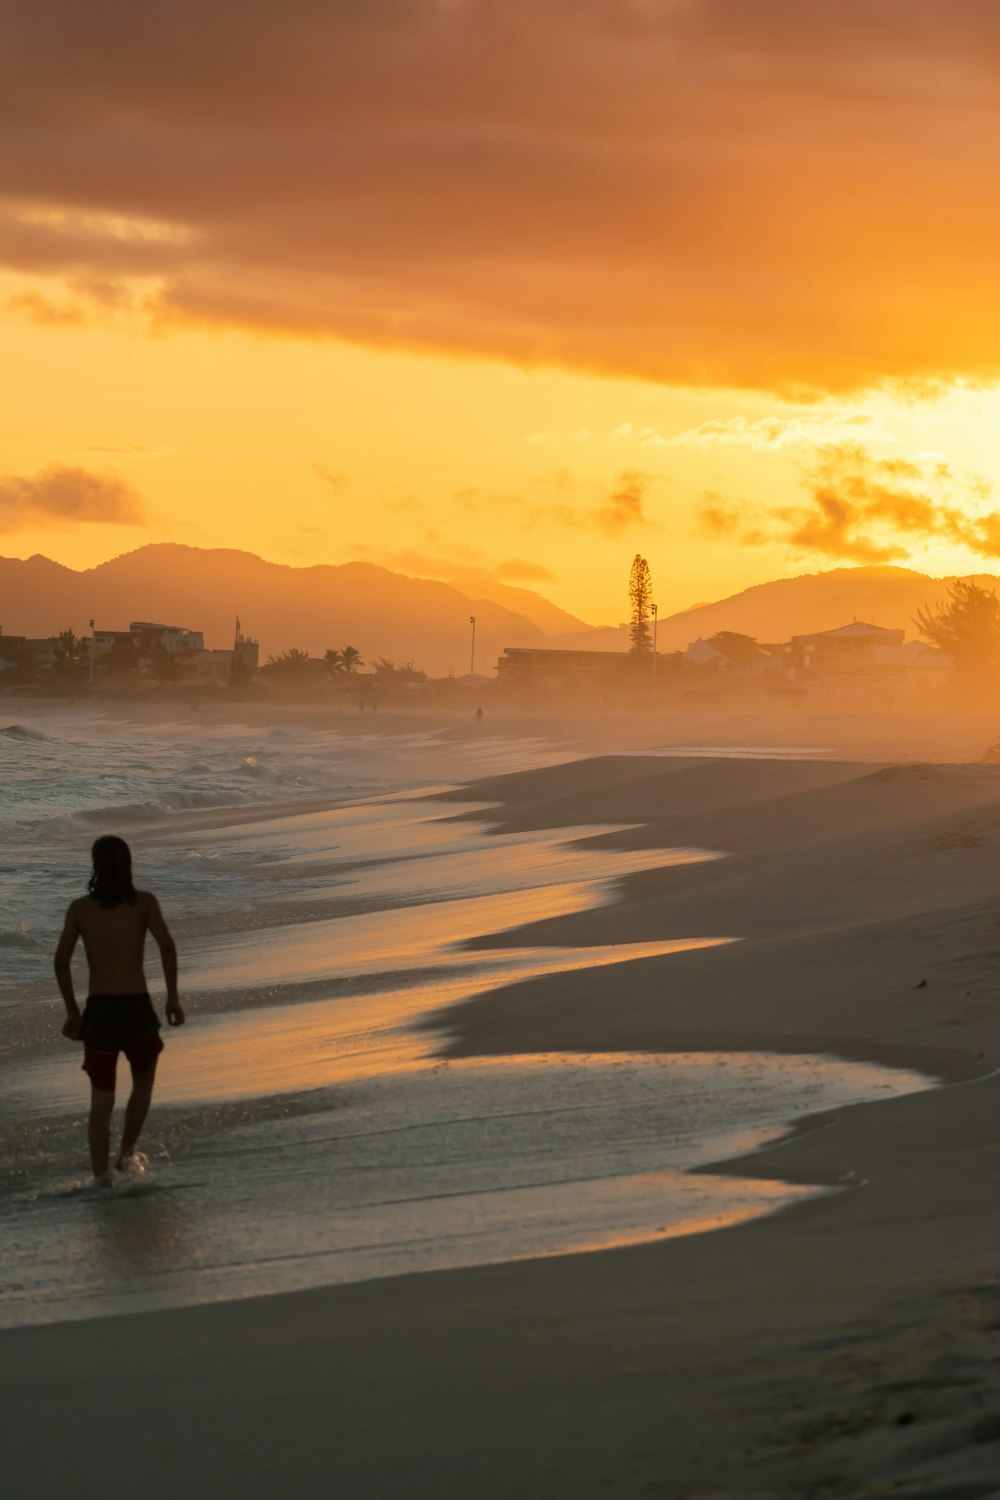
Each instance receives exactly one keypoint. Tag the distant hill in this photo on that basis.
(389, 614)
(380, 612)
(813, 601)
(534, 607)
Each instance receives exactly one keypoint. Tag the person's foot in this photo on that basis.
(108, 1180)
(134, 1165)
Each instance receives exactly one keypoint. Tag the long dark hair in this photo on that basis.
(111, 882)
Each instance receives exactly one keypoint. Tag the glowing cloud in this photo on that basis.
(865, 509)
(67, 495)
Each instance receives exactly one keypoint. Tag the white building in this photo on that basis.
(170, 637)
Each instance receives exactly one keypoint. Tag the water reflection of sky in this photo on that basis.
(427, 1166)
(309, 1141)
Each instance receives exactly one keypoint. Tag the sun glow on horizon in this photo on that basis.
(720, 287)
(548, 479)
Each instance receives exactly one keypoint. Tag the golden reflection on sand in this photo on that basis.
(317, 1043)
(767, 1196)
(313, 1044)
(409, 936)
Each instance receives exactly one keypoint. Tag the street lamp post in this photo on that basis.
(652, 693)
(93, 646)
(472, 662)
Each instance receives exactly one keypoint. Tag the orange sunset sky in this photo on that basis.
(515, 286)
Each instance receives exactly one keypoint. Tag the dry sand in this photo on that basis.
(847, 1346)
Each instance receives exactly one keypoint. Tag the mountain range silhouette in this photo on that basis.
(384, 613)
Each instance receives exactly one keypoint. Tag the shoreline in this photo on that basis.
(804, 1349)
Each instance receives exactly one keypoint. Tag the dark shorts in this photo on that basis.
(118, 1023)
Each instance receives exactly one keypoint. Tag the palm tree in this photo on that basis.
(350, 659)
(292, 665)
(67, 653)
(292, 657)
(164, 664)
(334, 662)
(390, 674)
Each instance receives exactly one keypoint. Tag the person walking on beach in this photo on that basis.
(113, 919)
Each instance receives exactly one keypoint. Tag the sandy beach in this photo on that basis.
(844, 1345)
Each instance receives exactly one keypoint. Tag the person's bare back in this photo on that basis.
(114, 941)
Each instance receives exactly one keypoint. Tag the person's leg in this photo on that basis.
(99, 1128)
(143, 1063)
(100, 1065)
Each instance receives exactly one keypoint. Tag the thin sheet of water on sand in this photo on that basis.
(411, 850)
(307, 1045)
(317, 1141)
(733, 752)
(508, 881)
(432, 1166)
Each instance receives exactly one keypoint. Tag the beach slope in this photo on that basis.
(846, 1346)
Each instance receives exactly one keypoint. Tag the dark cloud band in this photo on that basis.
(707, 191)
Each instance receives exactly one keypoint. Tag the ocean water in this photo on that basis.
(306, 1129)
(66, 778)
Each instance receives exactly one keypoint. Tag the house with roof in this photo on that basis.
(552, 667)
(914, 666)
(700, 654)
(859, 654)
(847, 649)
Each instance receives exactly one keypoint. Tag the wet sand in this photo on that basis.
(845, 1346)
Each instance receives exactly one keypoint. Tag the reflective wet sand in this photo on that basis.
(314, 1135)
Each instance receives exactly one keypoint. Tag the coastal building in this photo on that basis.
(862, 658)
(223, 665)
(27, 651)
(541, 666)
(106, 641)
(196, 662)
(174, 638)
(700, 654)
(914, 666)
(11, 650)
(245, 652)
(210, 665)
(848, 648)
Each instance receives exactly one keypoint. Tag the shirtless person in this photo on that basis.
(119, 1017)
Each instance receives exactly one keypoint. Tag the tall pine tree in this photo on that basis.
(640, 596)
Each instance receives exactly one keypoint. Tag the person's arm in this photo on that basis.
(168, 955)
(64, 973)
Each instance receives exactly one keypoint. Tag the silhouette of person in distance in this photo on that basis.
(113, 919)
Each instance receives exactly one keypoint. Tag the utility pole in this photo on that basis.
(653, 688)
(472, 663)
(93, 647)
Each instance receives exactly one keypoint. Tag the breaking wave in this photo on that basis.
(159, 807)
(16, 938)
(22, 732)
